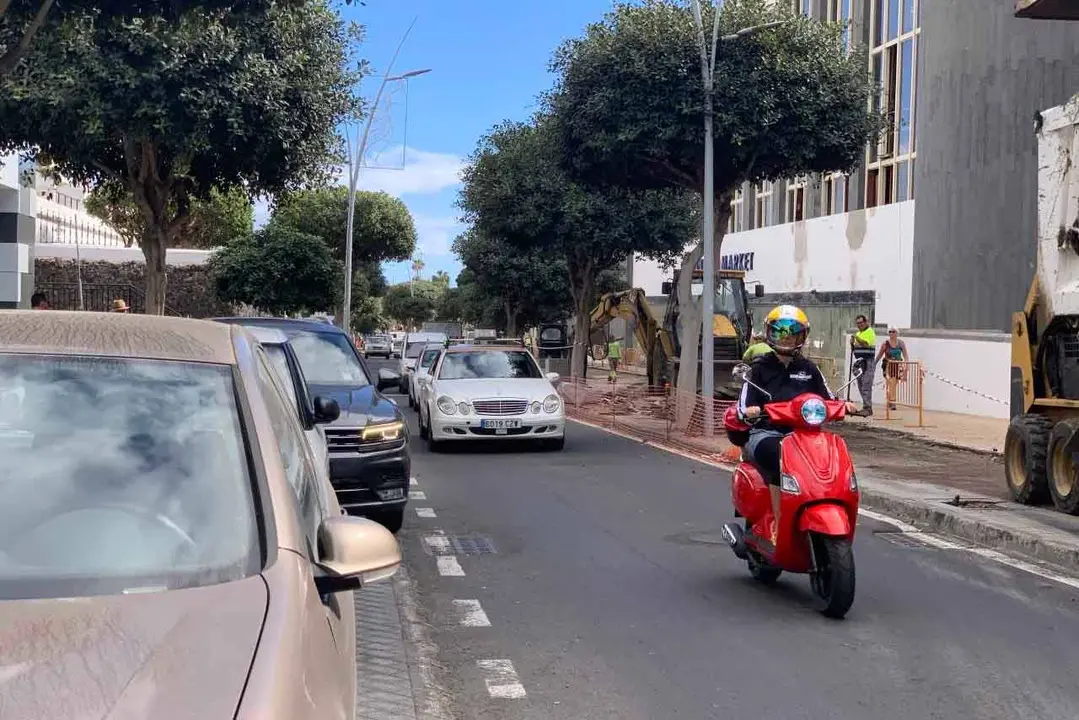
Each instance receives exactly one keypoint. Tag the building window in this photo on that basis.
(838, 11)
(762, 204)
(737, 222)
(802, 7)
(796, 200)
(834, 194)
(893, 59)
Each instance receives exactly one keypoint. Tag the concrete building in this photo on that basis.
(936, 232)
(17, 223)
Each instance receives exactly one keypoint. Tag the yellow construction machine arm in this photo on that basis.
(630, 305)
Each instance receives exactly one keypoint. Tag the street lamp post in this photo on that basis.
(355, 161)
(708, 230)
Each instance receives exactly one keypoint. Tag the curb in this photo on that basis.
(971, 525)
(867, 429)
(974, 526)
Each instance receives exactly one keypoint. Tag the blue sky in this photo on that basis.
(489, 62)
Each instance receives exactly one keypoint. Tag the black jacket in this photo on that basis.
(782, 382)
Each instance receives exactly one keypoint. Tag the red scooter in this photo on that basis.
(819, 506)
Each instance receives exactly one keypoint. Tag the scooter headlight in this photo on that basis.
(814, 412)
(788, 484)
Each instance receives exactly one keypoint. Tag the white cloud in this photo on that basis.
(421, 173)
(435, 235)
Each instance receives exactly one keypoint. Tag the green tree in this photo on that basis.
(22, 20)
(528, 286)
(215, 221)
(175, 108)
(367, 316)
(410, 304)
(629, 104)
(278, 270)
(382, 225)
(515, 189)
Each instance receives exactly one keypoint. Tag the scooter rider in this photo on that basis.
(784, 374)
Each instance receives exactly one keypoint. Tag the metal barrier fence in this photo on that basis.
(903, 380)
(662, 415)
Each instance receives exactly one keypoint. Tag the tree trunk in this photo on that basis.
(582, 283)
(153, 249)
(511, 318)
(691, 316)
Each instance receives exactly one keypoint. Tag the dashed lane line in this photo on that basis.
(501, 679)
(417, 495)
(449, 567)
(412, 482)
(471, 614)
(425, 512)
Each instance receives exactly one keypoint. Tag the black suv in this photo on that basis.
(368, 444)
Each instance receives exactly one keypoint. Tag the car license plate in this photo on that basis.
(500, 424)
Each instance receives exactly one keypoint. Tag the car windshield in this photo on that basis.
(381, 339)
(415, 348)
(429, 357)
(278, 359)
(328, 359)
(121, 475)
(488, 364)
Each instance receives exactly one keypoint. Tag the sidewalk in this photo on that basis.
(946, 477)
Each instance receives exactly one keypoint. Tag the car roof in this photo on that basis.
(483, 348)
(61, 332)
(284, 324)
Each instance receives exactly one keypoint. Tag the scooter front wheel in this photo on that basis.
(761, 571)
(833, 579)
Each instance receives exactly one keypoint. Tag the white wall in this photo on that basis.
(863, 250)
(964, 369)
(173, 256)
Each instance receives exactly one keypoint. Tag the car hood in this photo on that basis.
(524, 388)
(173, 654)
(358, 405)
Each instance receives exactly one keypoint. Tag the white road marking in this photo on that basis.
(425, 512)
(412, 482)
(449, 567)
(438, 544)
(501, 679)
(993, 555)
(417, 495)
(471, 613)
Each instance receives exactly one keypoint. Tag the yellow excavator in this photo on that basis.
(1041, 447)
(732, 327)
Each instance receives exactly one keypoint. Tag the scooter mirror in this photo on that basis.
(740, 371)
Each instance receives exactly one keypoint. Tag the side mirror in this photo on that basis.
(740, 371)
(552, 376)
(667, 287)
(387, 378)
(758, 290)
(326, 410)
(354, 551)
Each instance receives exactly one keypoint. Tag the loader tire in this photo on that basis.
(1063, 466)
(1026, 450)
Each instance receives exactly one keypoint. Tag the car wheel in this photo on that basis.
(432, 444)
(392, 520)
(556, 444)
(424, 432)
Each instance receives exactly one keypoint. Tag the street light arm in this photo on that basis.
(744, 32)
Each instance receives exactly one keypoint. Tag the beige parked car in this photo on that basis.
(169, 548)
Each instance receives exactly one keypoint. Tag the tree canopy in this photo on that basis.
(215, 221)
(278, 270)
(174, 108)
(382, 225)
(515, 190)
(411, 304)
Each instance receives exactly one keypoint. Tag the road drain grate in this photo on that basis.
(471, 545)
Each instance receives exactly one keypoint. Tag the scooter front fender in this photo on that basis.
(825, 519)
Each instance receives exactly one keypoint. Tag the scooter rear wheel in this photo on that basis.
(833, 580)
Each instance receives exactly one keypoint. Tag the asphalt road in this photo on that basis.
(594, 584)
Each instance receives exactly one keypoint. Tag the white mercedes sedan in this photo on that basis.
(490, 393)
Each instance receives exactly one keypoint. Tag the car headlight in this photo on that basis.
(814, 412)
(447, 405)
(536, 405)
(383, 432)
(788, 484)
(551, 403)
(464, 408)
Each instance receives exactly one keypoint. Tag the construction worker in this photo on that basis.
(757, 347)
(614, 356)
(864, 346)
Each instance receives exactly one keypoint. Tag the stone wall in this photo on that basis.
(189, 292)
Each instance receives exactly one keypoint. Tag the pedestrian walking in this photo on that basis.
(614, 357)
(863, 345)
(892, 356)
(38, 301)
(119, 306)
